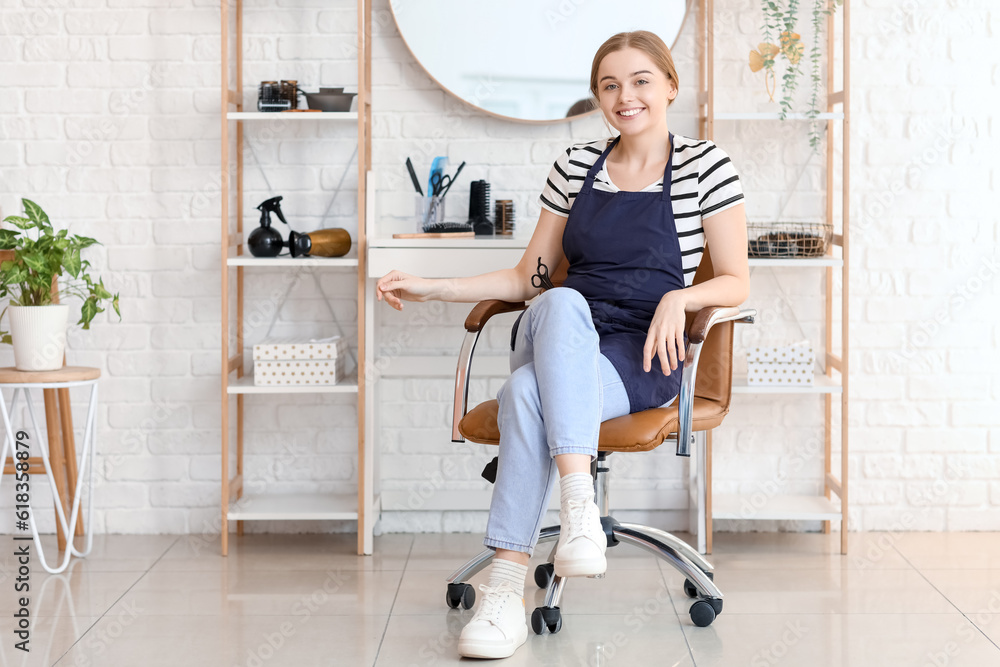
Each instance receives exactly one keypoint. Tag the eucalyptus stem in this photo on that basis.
(790, 77)
(821, 9)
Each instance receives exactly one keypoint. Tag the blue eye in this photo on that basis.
(609, 86)
(642, 81)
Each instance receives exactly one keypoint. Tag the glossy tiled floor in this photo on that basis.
(910, 600)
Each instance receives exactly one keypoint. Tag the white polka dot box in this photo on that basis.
(291, 361)
(781, 365)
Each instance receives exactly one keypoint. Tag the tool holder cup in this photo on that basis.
(429, 211)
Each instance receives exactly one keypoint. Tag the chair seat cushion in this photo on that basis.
(638, 432)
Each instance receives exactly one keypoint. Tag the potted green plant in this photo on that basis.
(38, 319)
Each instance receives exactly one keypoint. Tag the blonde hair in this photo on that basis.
(647, 42)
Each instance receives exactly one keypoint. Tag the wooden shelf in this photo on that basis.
(282, 116)
(836, 207)
(295, 507)
(360, 506)
(774, 508)
(245, 385)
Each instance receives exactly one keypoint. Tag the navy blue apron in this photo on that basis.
(624, 255)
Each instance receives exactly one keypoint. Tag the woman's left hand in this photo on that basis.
(666, 334)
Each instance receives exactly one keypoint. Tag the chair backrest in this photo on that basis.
(715, 365)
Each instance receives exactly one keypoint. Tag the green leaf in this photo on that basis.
(84, 241)
(35, 262)
(36, 213)
(71, 262)
(114, 304)
(19, 222)
(5, 338)
(8, 239)
(14, 273)
(100, 291)
(88, 311)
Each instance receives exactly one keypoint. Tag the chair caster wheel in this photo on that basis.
(689, 587)
(460, 594)
(544, 574)
(546, 617)
(702, 613)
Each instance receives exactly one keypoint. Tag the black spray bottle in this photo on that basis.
(265, 241)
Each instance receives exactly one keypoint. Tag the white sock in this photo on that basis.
(575, 485)
(509, 571)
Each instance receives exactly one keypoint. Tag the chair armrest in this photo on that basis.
(708, 317)
(484, 310)
(474, 324)
(703, 322)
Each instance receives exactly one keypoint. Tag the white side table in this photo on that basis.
(64, 378)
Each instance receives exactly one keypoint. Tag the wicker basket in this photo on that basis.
(788, 239)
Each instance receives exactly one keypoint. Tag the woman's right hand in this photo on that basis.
(397, 287)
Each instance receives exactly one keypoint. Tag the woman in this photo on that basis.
(632, 216)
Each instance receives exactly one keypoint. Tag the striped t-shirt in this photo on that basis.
(704, 183)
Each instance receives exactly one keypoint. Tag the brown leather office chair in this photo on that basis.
(706, 388)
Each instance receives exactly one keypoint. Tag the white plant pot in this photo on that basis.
(39, 336)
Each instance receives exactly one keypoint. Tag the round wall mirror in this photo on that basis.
(524, 59)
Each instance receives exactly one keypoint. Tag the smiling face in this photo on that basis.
(632, 91)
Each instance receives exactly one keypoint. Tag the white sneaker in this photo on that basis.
(498, 627)
(582, 543)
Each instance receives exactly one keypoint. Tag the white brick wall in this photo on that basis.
(109, 120)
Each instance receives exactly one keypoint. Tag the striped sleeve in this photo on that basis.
(555, 195)
(719, 185)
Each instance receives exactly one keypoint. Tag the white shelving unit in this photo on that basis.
(833, 504)
(295, 506)
(801, 508)
(245, 385)
(348, 260)
(239, 502)
(822, 384)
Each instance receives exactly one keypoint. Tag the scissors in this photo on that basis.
(541, 278)
(440, 183)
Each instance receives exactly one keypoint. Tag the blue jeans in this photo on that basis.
(560, 390)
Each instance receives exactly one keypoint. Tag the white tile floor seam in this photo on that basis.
(896, 600)
(957, 608)
(112, 605)
(381, 640)
(680, 622)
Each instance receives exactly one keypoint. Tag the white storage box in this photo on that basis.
(299, 372)
(277, 349)
(796, 353)
(781, 365)
(293, 361)
(761, 374)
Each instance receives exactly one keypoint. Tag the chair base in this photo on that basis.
(696, 570)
